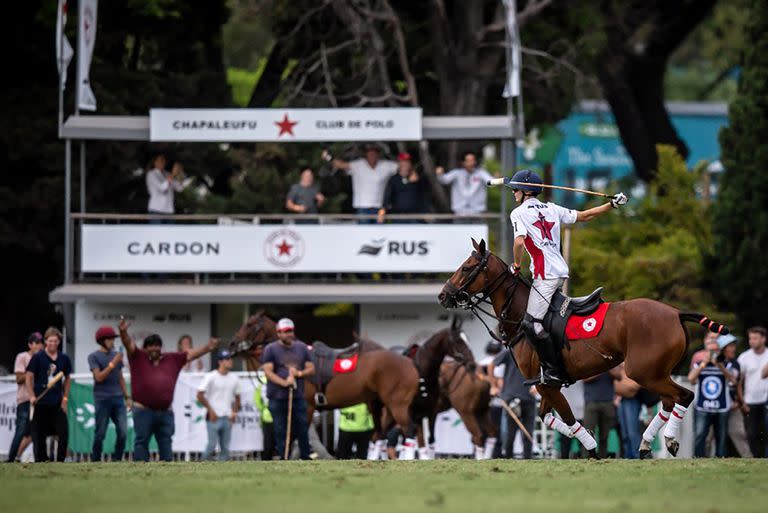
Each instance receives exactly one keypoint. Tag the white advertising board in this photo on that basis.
(285, 125)
(277, 248)
(402, 325)
(168, 321)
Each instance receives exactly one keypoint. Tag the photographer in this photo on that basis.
(713, 400)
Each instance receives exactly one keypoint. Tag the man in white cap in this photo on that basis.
(286, 362)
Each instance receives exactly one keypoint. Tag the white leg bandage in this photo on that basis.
(558, 425)
(673, 425)
(374, 450)
(409, 449)
(656, 424)
(490, 443)
(424, 453)
(581, 434)
(479, 452)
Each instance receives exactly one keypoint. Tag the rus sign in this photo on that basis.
(277, 248)
(285, 125)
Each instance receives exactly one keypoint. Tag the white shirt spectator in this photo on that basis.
(220, 391)
(161, 191)
(368, 183)
(755, 387)
(469, 192)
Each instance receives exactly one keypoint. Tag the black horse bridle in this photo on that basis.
(480, 300)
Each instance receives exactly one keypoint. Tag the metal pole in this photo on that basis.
(67, 210)
(82, 177)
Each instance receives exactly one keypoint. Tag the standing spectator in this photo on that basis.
(161, 185)
(736, 431)
(369, 177)
(355, 428)
(110, 395)
(50, 412)
(469, 191)
(629, 412)
(599, 411)
(753, 390)
(305, 197)
(512, 390)
(219, 393)
(574, 394)
(702, 355)
(286, 362)
(496, 411)
(406, 192)
(153, 380)
(267, 424)
(22, 436)
(713, 402)
(184, 345)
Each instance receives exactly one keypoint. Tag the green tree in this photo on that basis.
(740, 215)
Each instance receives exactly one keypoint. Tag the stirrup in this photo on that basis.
(550, 377)
(320, 399)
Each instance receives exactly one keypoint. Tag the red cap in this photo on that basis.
(105, 332)
(404, 156)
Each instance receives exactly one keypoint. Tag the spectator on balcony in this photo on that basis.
(406, 192)
(369, 177)
(22, 437)
(161, 185)
(305, 197)
(469, 191)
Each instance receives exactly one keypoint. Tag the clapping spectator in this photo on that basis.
(161, 185)
(22, 436)
(407, 192)
(369, 177)
(305, 197)
(753, 390)
(469, 191)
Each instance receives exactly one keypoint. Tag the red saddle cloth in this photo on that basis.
(342, 365)
(586, 326)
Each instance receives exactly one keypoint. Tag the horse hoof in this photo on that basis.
(645, 454)
(672, 446)
(592, 453)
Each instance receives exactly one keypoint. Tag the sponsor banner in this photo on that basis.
(401, 325)
(277, 248)
(451, 436)
(285, 125)
(7, 415)
(168, 321)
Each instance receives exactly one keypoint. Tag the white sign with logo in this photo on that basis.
(402, 325)
(285, 125)
(168, 321)
(277, 248)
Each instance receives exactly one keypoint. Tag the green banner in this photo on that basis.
(81, 414)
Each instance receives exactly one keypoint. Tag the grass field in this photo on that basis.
(701, 486)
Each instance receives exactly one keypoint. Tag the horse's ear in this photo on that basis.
(474, 243)
(481, 247)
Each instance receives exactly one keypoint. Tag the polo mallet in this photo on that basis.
(56, 378)
(512, 414)
(509, 183)
(288, 431)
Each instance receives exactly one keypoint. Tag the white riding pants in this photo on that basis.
(540, 298)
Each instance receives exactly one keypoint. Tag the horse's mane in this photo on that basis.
(366, 344)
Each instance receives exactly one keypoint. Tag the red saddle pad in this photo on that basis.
(586, 326)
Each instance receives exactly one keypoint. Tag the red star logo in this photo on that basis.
(286, 126)
(545, 227)
(284, 248)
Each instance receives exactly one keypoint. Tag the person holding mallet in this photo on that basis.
(48, 385)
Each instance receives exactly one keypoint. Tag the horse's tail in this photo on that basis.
(705, 321)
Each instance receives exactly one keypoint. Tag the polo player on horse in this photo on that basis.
(537, 231)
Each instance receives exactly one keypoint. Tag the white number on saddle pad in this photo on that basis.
(589, 324)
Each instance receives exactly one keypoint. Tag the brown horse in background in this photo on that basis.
(648, 336)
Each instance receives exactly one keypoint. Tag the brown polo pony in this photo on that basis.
(382, 378)
(649, 336)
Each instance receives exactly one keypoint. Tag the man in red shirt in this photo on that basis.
(153, 380)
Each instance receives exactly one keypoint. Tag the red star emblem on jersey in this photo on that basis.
(545, 227)
(284, 248)
(286, 126)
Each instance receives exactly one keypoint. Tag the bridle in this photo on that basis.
(480, 301)
(243, 346)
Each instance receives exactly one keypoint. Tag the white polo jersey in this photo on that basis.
(540, 223)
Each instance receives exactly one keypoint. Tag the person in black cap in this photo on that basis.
(22, 437)
(219, 393)
(110, 395)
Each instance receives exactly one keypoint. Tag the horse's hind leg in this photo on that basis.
(675, 401)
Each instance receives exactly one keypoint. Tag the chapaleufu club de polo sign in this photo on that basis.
(285, 125)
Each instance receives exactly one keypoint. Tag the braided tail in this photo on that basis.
(705, 321)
